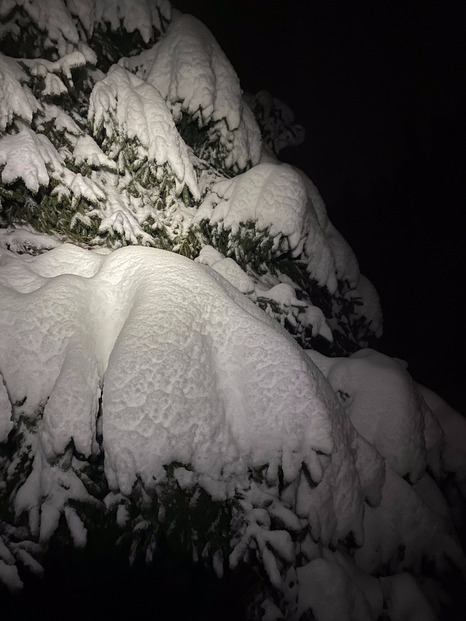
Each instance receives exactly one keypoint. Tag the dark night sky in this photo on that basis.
(378, 88)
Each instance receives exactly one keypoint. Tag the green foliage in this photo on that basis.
(47, 211)
(27, 40)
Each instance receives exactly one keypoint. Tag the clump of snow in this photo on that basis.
(52, 18)
(181, 383)
(274, 197)
(25, 240)
(15, 101)
(25, 156)
(125, 105)
(6, 423)
(211, 95)
(226, 267)
(384, 405)
(87, 150)
(64, 65)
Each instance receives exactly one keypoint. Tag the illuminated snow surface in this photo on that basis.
(191, 371)
(146, 388)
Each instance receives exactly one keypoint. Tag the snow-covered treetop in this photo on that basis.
(211, 95)
(229, 404)
(124, 105)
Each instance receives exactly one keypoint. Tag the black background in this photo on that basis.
(379, 88)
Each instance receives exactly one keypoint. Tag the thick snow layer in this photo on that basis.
(211, 94)
(88, 151)
(63, 66)
(191, 371)
(454, 427)
(25, 156)
(6, 424)
(15, 101)
(385, 406)
(274, 197)
(227, 268)
(127, 106)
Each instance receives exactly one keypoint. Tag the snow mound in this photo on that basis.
(211, 95)
(178, 367)
(387, 408)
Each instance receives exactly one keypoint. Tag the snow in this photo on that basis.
(212, 93)
(61, 120)
(25, 240)
(15, 101)
(384, 405)
(26, 156)
(275, 198)
(53, 85)
(328, 591)
(405, 600)
(192, 371)
(141, 113)
(226, 267)
(53, 18)
(64, 65)
(343, 476)
(87, 150)
(454, 427)
(132, 15)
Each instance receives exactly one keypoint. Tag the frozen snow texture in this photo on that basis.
(52, 18)
(56, 19)
(125, 105)
(192, 372)
(227, 268)
(87, 150)
(210, 94)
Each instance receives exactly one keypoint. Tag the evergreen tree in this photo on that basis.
(302, 465)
